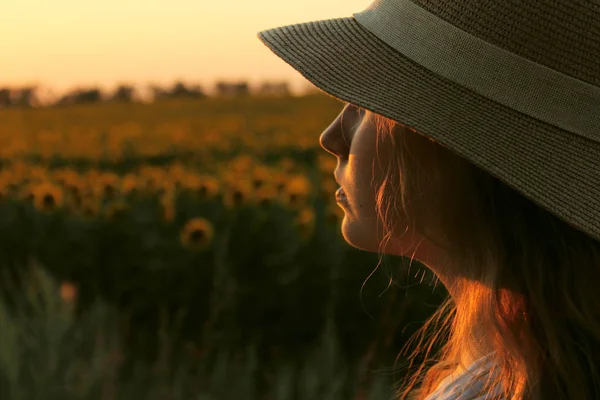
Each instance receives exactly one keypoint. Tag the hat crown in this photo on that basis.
(562, 35)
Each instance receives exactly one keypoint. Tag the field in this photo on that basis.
(190, 249)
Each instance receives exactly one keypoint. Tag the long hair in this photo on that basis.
(525, 283)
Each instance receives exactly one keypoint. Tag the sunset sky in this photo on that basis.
(61, 44)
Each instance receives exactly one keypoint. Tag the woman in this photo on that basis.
(470, 141)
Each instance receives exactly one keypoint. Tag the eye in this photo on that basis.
(358, 109)
(361, 111)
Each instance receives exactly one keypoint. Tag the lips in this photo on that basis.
(340, 195)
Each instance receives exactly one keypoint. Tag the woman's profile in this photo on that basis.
(470, 141)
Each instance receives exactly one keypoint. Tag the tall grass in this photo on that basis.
(47, 353)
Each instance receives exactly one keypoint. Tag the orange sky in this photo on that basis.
(63, 43)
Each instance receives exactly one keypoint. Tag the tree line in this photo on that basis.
(29, 96)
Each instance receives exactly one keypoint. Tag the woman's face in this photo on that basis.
(351, 137)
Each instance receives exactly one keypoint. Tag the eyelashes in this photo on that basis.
(361, 111)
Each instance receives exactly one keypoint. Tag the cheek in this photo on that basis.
(367, 167)
(366, 174)
(365, 200)
(370, 177)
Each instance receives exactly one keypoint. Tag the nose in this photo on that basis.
(333, 139)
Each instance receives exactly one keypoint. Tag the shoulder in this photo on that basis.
(463, 385)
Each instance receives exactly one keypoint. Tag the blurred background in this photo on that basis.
(61, 45)
(168, 226)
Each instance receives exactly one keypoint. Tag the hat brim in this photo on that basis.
(347, 61)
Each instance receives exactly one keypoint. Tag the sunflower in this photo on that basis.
(152, 178)
(305, 222)
(237, 193)
(197, 234)
(260, 176)
(47, 196)
(74, 184)
(107, 185)
(297, 191)
(204, 186)
(280, 180)
(65, 175)
(266, 194)
(130, 184)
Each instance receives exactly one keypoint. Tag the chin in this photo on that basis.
(359, 236)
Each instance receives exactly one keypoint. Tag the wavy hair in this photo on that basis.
(525, 284)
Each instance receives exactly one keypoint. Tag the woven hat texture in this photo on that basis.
(512, 86)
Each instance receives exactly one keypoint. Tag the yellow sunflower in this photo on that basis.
(152, 178)
(107, 185)
(238, 193)
(266, 194)
(65, 175)
(74, 184)
(280, 180)
(305, 222)
(197, 234)
(130, 183)
(204, 186)
(297, 191)
(260, 176)
(47, 196)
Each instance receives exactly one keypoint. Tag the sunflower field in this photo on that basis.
(203, 238)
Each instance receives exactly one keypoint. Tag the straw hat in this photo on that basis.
(512, 86)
